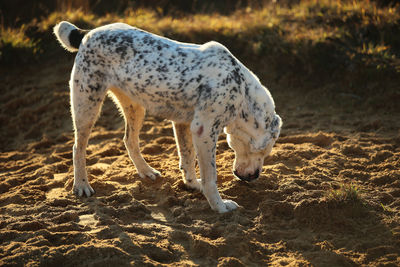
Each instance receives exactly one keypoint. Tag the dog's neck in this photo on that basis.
(255, 113)
(258, 105)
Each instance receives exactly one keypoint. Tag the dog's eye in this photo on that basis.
(256, 147)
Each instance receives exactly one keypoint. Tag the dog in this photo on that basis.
(202, 89)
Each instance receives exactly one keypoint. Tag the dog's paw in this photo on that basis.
(80, 189)
(227, 205)
(151, 173)
(194, 184)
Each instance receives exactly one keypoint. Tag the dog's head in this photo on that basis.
(252, 145)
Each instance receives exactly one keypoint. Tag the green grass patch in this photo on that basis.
(347, 193)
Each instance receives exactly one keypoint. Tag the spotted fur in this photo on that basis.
(203, 89)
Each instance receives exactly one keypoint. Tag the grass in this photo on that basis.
(387, 209)
(347, 193)
(16, 46)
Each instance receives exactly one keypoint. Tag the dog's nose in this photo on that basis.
(248, 178)
(255, 175)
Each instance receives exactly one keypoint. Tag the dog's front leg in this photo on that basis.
(205, 140)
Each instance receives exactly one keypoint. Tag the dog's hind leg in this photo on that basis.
(134, 115)
(187, 155)
(85, 107)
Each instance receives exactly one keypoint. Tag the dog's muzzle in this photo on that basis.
(248, 178)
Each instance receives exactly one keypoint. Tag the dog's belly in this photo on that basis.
(170, 112)
(167, 105)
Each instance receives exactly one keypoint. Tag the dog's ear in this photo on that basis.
(275, 126)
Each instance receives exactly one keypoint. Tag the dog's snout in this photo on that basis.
(249, 177)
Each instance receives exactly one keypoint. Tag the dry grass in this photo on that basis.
(15, 42)
(356, 42)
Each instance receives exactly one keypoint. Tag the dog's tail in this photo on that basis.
(69, 35)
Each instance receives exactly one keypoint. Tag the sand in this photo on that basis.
(294, 214)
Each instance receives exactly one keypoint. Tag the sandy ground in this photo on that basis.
(290, 216)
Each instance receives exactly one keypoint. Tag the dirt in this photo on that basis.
(292, 215)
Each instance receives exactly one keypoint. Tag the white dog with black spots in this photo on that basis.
(202, 89)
